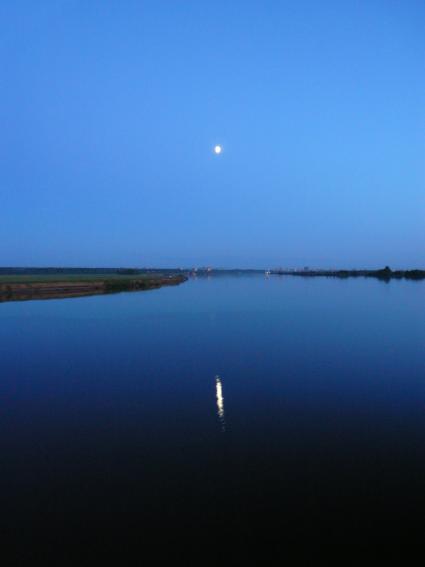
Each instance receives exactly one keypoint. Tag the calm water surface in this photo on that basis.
(289, 407)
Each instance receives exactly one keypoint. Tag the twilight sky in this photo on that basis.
(110, 112)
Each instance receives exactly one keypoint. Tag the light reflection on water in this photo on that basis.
(220, 402)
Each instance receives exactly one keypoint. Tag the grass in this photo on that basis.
(50, 286)
(83, 277)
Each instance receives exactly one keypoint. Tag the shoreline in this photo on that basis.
(61, 289)
(385, 274)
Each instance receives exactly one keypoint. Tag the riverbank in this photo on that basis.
(385, 274)
(18, 288)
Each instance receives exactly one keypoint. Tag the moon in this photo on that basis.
(218, 149)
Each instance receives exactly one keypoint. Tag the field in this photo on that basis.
(77, 277)
(15, 287)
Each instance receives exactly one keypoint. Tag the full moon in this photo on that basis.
(217, 149)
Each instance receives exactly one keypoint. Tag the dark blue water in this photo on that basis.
(287, 407)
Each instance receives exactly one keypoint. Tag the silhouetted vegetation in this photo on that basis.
(385, 274)
(26, 271)
(128, 271)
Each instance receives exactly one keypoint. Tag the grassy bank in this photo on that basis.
(54, 286)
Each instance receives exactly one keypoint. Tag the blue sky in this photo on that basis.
(110, 112)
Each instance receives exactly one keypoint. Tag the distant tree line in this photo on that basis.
(67, 271)
(385, 274)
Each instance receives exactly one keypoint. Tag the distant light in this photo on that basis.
(218, 150)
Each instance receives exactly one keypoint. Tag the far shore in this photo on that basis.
(24, 287)
(385, 274)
